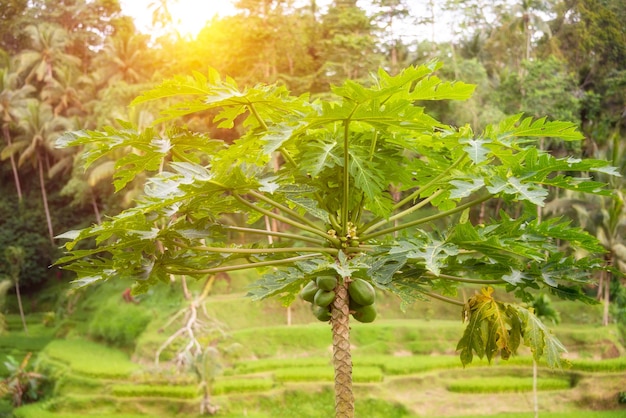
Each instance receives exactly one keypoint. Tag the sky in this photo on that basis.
(191, 16)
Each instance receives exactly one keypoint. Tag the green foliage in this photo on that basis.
(22, 384)
(22, 228)
(341, 156)
(118, 323)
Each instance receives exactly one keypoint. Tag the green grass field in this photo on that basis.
(404, 364)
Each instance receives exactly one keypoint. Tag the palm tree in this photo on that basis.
(14, 256)
(124, 58)
(68, 92)
(39, 129)
(47, 55)
(12, 98)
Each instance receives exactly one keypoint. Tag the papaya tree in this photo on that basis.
(324, 170)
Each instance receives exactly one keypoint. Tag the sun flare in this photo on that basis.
(188, 16)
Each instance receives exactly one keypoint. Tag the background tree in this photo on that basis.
(12, 99)
(35, 144)
(14, 256)
(46, 55)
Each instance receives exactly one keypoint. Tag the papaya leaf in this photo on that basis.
(476, 149)
(432, 88)
(284, 283)
(522, 191)
(539, 338)
(490, 328)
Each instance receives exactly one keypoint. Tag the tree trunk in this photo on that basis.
(19, 304)
(44, 196)
(535, 392)
(606, 301)
(94, 205)
(16, 177)
(342, 358)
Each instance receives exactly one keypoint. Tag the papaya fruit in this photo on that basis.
(321, 313)
(365, 314)
(308, 291)
(362, 292)
(354, 306)
(323, 297)
(326, 282)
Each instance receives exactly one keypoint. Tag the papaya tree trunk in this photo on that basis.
(342, 358)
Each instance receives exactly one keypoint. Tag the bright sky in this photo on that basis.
(189, 15)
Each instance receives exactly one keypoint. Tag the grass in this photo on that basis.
(284, 371)
(169, 391)
(405, 365)
(613, 365)
(506, 384)
(570, 414)
(366, 374)
(37, 411)
(280, 341)
(91, 359)
(310, 403)
(237, 386)
(265, 365)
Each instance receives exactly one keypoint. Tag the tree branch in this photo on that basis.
(439, 215)
(286, 220)
(243, 266)
(283, 208)
(444, 298)
(417, 192)
(463, 279)
(275, 234)
(346, 178)
(269, 250)
(400, 215)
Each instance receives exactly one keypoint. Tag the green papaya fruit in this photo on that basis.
(321, 313)
(324, 297)
(354, 306)
(308, 291)
(362, 292)
(365, 314)
(326, 282)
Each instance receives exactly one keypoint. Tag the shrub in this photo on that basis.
(119, 323)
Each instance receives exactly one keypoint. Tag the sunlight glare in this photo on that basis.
(189, 16)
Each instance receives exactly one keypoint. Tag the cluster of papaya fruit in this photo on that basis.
(320, 292)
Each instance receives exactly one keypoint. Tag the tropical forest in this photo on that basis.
(313, 208)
